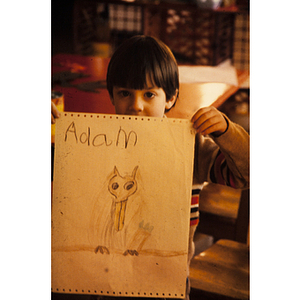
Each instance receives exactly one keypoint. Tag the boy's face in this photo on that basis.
(150, 101)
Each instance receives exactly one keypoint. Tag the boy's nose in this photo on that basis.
(137, 104)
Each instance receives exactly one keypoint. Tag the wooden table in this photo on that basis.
(192, 96)
(221, 272)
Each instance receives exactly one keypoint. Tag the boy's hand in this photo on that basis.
(208, 120)
(54, 113)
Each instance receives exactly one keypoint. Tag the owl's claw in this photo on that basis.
(131, 252)
(102, 250)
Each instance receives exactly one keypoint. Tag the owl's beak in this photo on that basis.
(120, 215)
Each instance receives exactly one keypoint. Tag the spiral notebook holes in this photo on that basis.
(115, 293)
(117, 117)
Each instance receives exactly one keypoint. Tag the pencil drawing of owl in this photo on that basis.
(116, 225)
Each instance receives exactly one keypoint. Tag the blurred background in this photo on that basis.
(203, 32)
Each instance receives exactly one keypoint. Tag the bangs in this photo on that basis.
(135, 66)
(141, 61)
(135, 73)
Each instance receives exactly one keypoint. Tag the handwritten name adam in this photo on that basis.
(122, 138)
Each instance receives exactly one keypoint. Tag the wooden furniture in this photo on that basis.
(221, 272)
(224, 212)
(193, 96)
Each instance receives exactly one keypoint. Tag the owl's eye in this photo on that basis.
(128, 185)
(115, 185)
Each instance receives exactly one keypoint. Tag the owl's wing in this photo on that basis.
(100, 220)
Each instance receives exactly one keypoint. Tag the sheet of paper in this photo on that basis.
(223, 73)
(121, 204)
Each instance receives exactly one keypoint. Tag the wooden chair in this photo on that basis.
(221, 272)
(224, 213)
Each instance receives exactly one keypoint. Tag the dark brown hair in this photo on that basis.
(139, 57)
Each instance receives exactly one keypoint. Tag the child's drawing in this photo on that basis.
(117, 225)
(121, 188)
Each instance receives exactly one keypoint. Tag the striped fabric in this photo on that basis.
(194, 216)
(220, 173)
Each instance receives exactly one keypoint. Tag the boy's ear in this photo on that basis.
(170, 103)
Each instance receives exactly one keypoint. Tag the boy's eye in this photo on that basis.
(149, 95)
(124, 93)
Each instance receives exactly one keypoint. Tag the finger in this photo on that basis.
(205, 113)
(52, 119)
(209, 116)
(216, 128)
(200, 113)
(203, 126)
(54, 110)
(213, 129)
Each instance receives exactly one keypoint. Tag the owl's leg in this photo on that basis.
(139, 239)
(102, 250)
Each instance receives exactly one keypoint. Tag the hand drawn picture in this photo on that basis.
(120, 205)
(110, 225)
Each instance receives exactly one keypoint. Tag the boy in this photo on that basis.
(142, 80)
